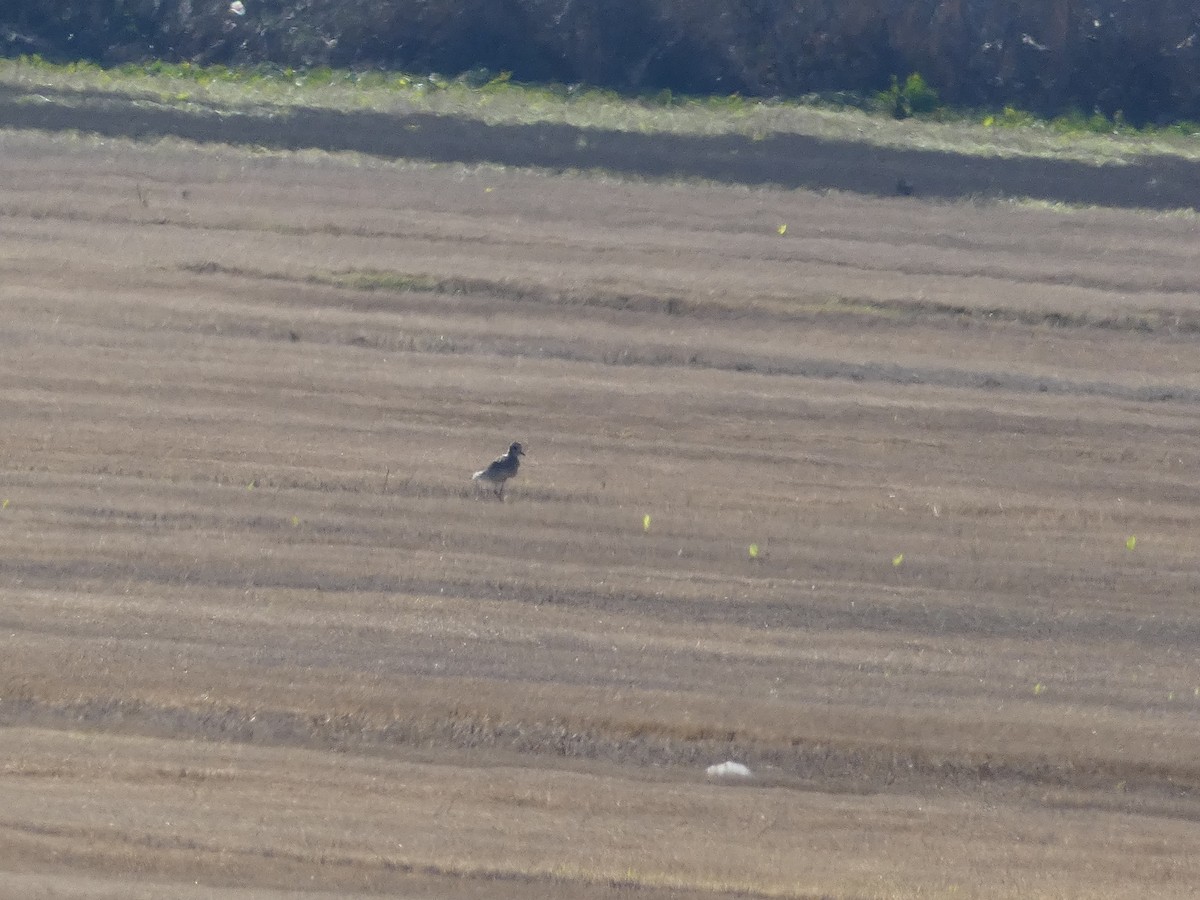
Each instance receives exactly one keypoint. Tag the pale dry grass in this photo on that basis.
(247, 592)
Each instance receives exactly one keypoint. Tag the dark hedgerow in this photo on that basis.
(1138, 60)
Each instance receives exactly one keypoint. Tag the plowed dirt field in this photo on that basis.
(259, 639)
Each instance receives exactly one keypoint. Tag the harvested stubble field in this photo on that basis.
(259, 638)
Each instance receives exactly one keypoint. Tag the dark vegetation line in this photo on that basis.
(1133, 60)
(792, 365)
(787, 160)
(486, 292)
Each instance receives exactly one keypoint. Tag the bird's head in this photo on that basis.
(515, 449)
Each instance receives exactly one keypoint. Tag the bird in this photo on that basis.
(501, 469)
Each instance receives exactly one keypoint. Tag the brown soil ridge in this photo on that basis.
(830, 765)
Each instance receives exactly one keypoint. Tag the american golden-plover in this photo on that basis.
(503, 468)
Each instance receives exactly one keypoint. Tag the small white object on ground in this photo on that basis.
(237, 8)
(728, 769)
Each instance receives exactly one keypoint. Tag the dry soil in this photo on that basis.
(259, 639)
